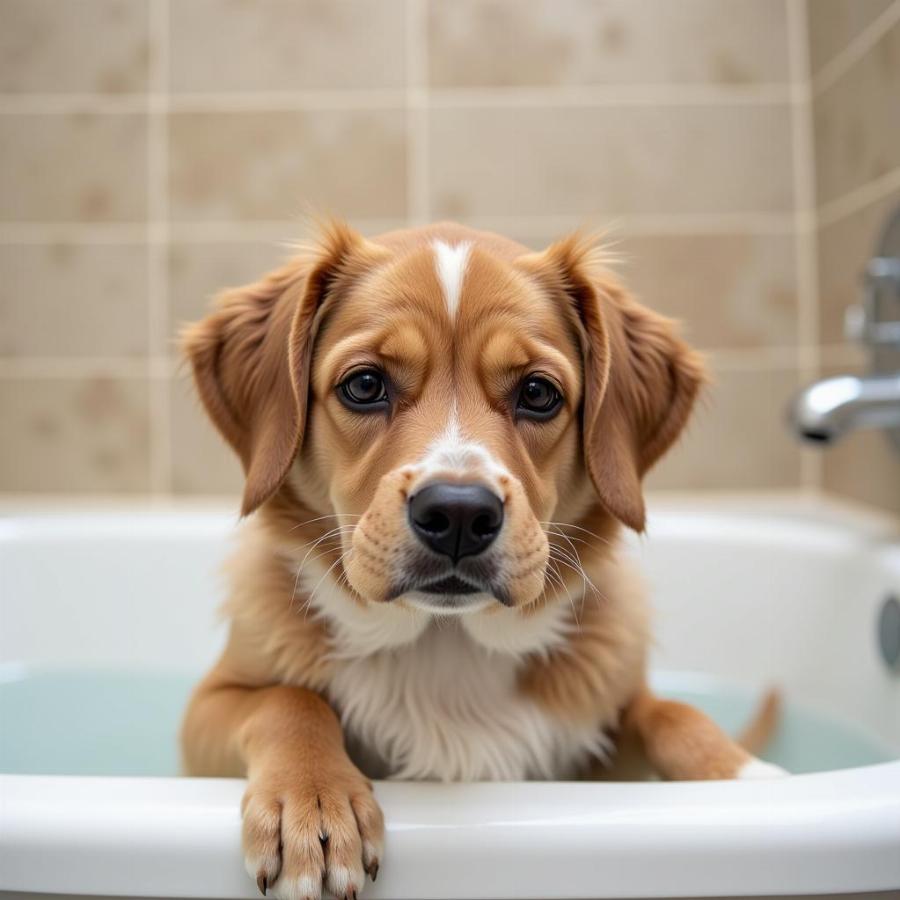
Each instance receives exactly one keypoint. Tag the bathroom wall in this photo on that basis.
(152, 152)
(855, 90)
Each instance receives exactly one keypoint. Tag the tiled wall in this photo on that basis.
(855, 89)
(153, 151)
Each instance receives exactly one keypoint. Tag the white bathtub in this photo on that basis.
(785, 592)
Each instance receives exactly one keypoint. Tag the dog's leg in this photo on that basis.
(683, 744)
(310, 820)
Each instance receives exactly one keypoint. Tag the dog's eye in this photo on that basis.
(538, 398)
(363, 391)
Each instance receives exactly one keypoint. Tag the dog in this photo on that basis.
(443, 434)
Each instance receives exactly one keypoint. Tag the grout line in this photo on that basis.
(38, 104)
(859, 198)
(640, 223)
(283, 231)
(157, 252)
(417, 113)
(287, 101)
(612, 95)
(856, 50)
(152, 368)
(805, 237)
(158, 101)
(159, 232)
(73, 232)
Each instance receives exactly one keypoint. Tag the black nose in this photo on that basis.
(456, 520)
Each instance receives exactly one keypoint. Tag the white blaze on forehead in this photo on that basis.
(450, 261)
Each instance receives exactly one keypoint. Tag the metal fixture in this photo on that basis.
(889, 633)
(825, 411)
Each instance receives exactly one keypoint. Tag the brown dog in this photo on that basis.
(441, 433)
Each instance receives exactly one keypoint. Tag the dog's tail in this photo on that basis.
(758, 731)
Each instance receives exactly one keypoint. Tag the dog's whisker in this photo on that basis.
(586, 531)
(559, 587)
(556, 580)
(576, 557)
(574, 564)
(548, 530)
(574, 550)
(569, 539)
(334, 535)
(322, 518)
(325, 551)
(328, 571)
(575, 568)
(339, 531)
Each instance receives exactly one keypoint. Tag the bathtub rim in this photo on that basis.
(806, 834)
(835, 831)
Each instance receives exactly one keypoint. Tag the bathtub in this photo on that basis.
(747, 592)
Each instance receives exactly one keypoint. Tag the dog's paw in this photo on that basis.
(756, 768)
(312, 833)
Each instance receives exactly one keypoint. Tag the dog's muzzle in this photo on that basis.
(454, 524)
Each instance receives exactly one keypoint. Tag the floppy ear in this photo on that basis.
(251, 357)
(641, 379)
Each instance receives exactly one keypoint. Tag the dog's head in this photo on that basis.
(451, 398)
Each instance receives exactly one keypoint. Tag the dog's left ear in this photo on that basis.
(641, 379)
(252, 355)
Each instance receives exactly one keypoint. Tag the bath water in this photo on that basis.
(118, 722)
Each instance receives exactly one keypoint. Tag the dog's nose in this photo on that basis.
(456, 520)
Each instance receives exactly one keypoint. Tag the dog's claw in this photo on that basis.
(262, 882)
(372, 869)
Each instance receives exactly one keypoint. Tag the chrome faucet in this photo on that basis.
(827, 410)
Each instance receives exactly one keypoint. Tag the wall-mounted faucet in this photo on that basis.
(828, 409)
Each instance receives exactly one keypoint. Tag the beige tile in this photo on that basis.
(833, 24)
(64, 168)
(729, 290)
(541, 42)
(276, 165)
(863, 466)
(85, 46)
(197, 272)
(857, 124)
(282, 45)
(74, 435)
(73, 300)
(202, 462)
(610, 161)
(844, 249)
(738, 438)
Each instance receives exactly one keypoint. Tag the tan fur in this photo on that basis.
(680, 742)
(331, 486)
(595, 674)
(757, 732)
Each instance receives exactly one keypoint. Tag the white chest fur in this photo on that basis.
(438, 699)
(444, 708)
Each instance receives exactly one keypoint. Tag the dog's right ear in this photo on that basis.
(251, 356)
(641, 379)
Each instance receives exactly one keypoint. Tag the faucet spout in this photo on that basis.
(827, 410)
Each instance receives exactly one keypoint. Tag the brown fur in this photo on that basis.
(266, 362)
